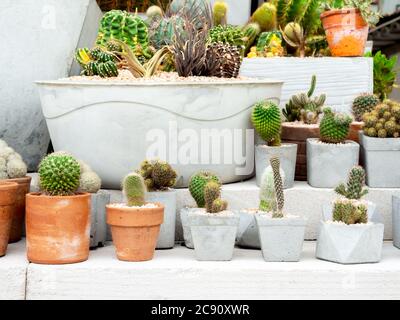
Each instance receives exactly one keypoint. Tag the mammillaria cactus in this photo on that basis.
(383, 121)
(266, 119)
(134, 189)
(59, 175)
(157, 175)
(197, 184)
(354, 188)
(11, 164)
(212, 197)
(350, 211)
(334, 127)
(227, 35)
(220, 12)
(154, 12)
(265, 16)
(363, 104)
(280, 198)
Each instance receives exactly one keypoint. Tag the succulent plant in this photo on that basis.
(350, 211)
(265, 16)
(266, 119)
(97, 62)
(157, 175)
(363, 104)
(154, 12)
(354, 188)
(212, 197)
(11, 164)
(194, 10)
(383, 121)
(227, 35)
(280, 198)
(268, 201)
(250, 31)
(197, 184)
(265, 38)
(162, 31)
(222, 60)
(134, 189)
(59, 175)
(334, 127)
(220, 12)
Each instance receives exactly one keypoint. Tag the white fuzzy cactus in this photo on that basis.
(11, 164)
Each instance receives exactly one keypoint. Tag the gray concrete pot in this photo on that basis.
(381, 158)
(396, 220)
(247, 235)
(329, 164)
(281, 239)
(187, 233)
(98, 228)
(350, 244)
(287, 153)
(166, 238)
(373, 214)
(213, 235)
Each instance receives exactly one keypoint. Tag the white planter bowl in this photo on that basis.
(113, 125)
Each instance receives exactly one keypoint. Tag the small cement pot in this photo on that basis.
(381, 157)
(281, 239)
(213, 235)
(287, 154)
(8, 197)
(350, 244)
(247, 236)
(329, 164)
(187, 233)
(166, 238)
(373, 214)
(98, 230)
(396, 220)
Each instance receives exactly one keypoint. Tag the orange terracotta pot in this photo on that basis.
(57, 228)
(355, 127)
(135, 231)
(8, 196)
(346, 32)
(19, 216)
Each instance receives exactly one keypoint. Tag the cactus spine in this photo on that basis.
(334, 127)
(354, 188)
(350, 211)
(266, 119)
(280, 199)
(227, 35)
(383, 121)
(134, 189)
(197, 185)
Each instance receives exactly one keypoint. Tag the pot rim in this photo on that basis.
(158, 204)
(7, 185)
(26, 179)
(36, 195)
(300, 125)
(342, 11)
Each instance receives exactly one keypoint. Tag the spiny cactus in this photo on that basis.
(383, 121)
(250, 32)
(266, 119)
(295, 37)
(11, 164)
(134, 189)
(227, 35)
(265, 38)
(350, 211)
(212, 194)
(280, 198)
(162, 31)
(363, 104)
(157, 175)
(222, 61)
(97, 62)
(59, 175)
(354, 188)
(268, 201)
(89, 182)
(334, 127)
(265, 16)
(154, 12)
(197, 184)
(220, 12)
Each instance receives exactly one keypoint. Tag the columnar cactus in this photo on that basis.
(197, 185)
(268, 201)
(350, 211)
(280, 198)
(97, 62)
(134, 189)
(383, 121)
(220, 12)
(11, 164)
(265, 16)
(212, 197)
(157, 175)
(354, 188)
(334, 127)
(363, 104)
(266, 119)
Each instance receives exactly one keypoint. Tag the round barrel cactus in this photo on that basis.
(266, 119)
(197, 184)
(334, 127)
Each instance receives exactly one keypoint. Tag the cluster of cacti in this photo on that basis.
(280, 198)
(197, 184)
(59, 175)
(383, 121)
(157, 175)
(134, 189)
(354, 188)
(220, 12)
(125, 27)
(334, 126)
(212, 198)
(269, 44)
(350, 211)
(194, 10)
(97, 62)
(363, 104)
(268, 199)
(222, 60)
(162, 30)
(227, 35)
(302, 107)
(11, 164)
(266, 119)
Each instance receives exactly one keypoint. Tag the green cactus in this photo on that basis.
(212, 194)
(157, 174)
(220, 12)
(134, 189)
(59, 175)
(334, 127)
(280, 198)
(194, 10)
(197, 184)
(268, 201)
(89, 182)
(266, 119)
(354, 188)
(265, 38)
(97, 62)
(350, 211)
(363, 104)
(250, 32)
(265, 16)
(162, 31)
(383, 121)
(227, 35)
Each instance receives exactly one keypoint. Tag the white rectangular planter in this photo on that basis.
(341, 79)
(396, 220)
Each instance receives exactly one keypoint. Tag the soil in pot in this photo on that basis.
(57, 228)
(135, 230)
(8, 196)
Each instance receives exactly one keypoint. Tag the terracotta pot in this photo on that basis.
(298, 133)
(135, 231)
(8, 196)
(346, 32)
(355, 127)
(19, 216)
(57, 228)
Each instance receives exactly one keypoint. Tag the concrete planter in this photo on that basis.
(396, 220)
(166, 238)
(287, 155)
(281, 239)
(381, 158)
(98, 227)
(213, 235)
(157, 118)
(40, 45)
(350, 244)
(373, 214)
(247, 236)
(187, 233)
(329, 164)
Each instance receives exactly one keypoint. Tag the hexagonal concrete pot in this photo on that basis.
(381, 158)
(373, 214)
(166, 238)
(187, 233)
(98, 227)
(350, 244)
(329, 164)
(281, 239)
(213, 234)
(396, 220)
(287, 153)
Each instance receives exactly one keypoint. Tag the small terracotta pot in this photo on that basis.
(57, 228)
(19, 216)
(355, 127)
(135, 231)
(8, 196)
(346, 32)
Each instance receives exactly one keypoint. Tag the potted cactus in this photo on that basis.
(135, 225)
(213, 228)
(159, 178)
(380, 145)
(348, 235)
(281, 236)
(58, 218)
(266, 119)
(14, 169)
(331, 157)
(8, 197)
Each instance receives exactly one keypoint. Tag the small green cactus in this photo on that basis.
(220, 12)
(266, 16)
(354, 188)
(134, 189)
(280, 198)
(97, 62)
(212, 197)
(383, 121)
(250, 32)
(266, 119)
(363, 104)
(268, 201)
(158, 175)
(197, 184)
(59, 175)
(227, 35)
(334, 127)
(350, 211)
